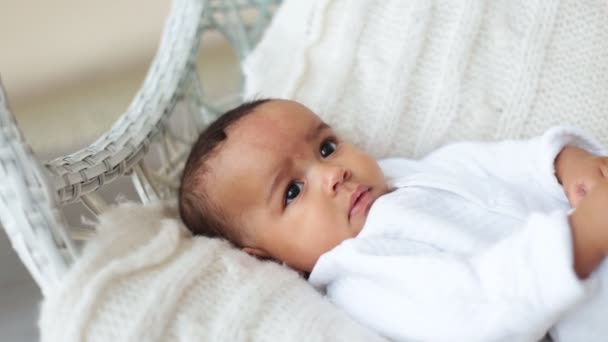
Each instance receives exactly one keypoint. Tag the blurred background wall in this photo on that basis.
(70, 68)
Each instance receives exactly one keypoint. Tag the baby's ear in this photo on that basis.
(260, 253)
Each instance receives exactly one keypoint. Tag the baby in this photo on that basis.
(475, 242)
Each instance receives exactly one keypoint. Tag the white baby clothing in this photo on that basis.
(473, 244)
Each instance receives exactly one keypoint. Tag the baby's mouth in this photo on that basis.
(360, 201)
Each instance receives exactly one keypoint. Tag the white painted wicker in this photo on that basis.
(28, 206)
(31, 194)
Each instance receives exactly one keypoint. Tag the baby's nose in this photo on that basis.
(335, 176)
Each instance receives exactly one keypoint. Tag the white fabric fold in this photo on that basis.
(473, 244)
(401, 78)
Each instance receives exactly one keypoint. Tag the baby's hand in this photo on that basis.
(589, 226)
(579, 171)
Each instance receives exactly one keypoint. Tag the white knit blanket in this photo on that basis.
(145, 278)
(400, 78)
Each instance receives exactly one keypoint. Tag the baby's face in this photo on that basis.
(295, 188)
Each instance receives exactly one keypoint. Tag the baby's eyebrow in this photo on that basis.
(312, 134)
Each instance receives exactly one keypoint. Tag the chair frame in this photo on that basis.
(32, 194)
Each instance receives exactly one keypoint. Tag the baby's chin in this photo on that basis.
(357, 230)
(358, 225)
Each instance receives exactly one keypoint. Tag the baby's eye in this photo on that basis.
(327, 148)
(293, 190)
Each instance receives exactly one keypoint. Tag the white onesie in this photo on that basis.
(473, 244)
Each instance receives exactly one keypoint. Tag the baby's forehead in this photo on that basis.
(275, 124)
(258, 148)
(254, 148)
(260, 142)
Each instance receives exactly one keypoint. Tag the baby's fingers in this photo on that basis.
(604, 167)
(598, 175)
(596, 200)
(584, 186)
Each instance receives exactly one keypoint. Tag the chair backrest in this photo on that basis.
(31, 193)
(28, 205)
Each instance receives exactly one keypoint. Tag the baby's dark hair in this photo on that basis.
(196, 208)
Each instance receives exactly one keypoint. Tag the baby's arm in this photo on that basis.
(560, 156)
(512, 291)
(584, 177)
(528, 165)
(589, 226)
(515, 290)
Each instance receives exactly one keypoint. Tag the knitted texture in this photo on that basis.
(400, 78)
(145, 278)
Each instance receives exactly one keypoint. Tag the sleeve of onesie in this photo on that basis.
(518, 162)
(513, 291)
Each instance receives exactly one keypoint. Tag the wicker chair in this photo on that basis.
(32, 193)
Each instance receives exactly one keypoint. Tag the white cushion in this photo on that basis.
(400, 78)
(145, 278)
